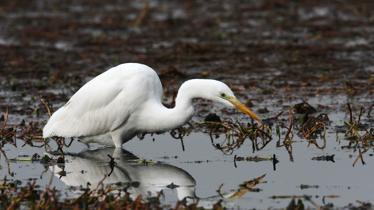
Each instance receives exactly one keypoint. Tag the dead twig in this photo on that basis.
(142, 15)
(47, 107)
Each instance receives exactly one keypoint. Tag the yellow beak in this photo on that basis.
(243, 108)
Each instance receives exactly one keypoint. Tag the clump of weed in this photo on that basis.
(236, 134)
(360, 139)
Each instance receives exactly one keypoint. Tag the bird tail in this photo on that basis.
(55, 124)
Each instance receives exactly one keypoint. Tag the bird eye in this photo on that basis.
(223, 95)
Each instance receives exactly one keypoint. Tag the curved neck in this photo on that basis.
(157, 117)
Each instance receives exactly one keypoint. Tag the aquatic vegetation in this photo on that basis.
(236, 134)
(7, 133)
(288, 137)
(314, 126)
(13, 196)
(358, 139)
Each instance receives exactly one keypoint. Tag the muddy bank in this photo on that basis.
(259, 47)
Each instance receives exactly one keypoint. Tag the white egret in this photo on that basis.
(126, 100)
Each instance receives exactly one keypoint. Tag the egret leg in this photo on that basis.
(117, 138)
(104, 139)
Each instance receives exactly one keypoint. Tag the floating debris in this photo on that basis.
(307, 186)
(325, 158)
(248, 186)
(257, 159)
(253, 158)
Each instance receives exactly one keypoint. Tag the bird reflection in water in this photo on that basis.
(94, 167)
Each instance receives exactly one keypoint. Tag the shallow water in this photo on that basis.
(201, 169)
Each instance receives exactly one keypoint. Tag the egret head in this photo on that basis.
(218, 91)
(227, 97)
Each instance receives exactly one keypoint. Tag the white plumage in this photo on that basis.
(126, 100)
